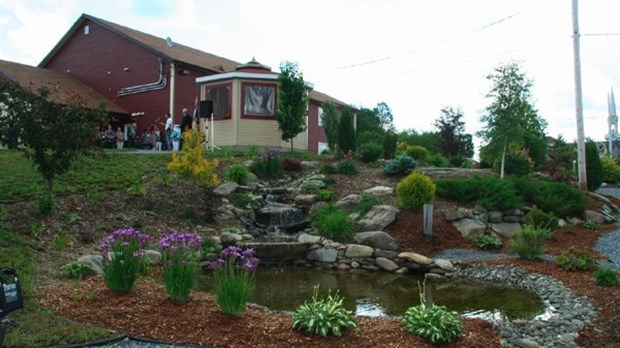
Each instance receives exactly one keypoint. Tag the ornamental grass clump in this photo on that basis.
(233, 275)
(122, 253)
(180, 262)
(323, 316)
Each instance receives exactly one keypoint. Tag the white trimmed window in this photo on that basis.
(323, 147)
(320, 114)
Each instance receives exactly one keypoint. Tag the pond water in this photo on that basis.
(380, 294)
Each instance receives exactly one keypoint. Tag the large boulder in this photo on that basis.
(470, 229)
(457, 214)
(357, 250)
(379, 191)
(378, 218)
(349, 203)
(415, 257)
(591, 215)
(323, 255)
(95, 262)
(506, 229)
(226, 188)
(377, 240)
(387, 264)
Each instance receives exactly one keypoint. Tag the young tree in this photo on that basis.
(512, 122)
(50, 134)
(346, 131)
(292, 101)
(453, 141)
(329, 119)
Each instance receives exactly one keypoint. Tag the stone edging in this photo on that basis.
(566, 313)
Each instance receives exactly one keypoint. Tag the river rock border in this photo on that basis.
(566, 313)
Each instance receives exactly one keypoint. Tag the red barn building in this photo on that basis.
(149, 76)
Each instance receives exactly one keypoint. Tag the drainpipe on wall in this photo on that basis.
(172, 83)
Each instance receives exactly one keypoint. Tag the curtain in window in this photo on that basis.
(259, 100)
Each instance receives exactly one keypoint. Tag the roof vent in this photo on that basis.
(169, 42)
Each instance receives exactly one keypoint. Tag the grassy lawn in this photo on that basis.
(35, 326)
(109, 171)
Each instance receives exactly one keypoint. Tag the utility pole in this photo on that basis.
(581, 146)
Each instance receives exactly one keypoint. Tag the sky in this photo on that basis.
(417, 56)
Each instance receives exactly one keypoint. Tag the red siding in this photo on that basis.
(100, 59)
(316, 133)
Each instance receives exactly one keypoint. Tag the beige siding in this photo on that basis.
(258, 132)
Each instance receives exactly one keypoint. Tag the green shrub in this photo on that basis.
(346, 167)
(437, 160)
(559, 198)
(591, 225)
(539, 219)
(238, 173)
(527, 242)
(488, 241)
(325, 195)
(489, 191)
(400, 165)
(435, 323)
(594, 167)
(611, 170)
(60, 242)
(575, 260)
(76, 270)
(517, 164)
(415, 190)
(323, 316)
(327, 169)
(366, 203)
(369, 152)
(45, 204)
(417, 152)
(268, 165)
(605, 277)
(333, 222)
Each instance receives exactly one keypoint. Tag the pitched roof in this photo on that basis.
(179, 53)
(62, 86)
(323, 98)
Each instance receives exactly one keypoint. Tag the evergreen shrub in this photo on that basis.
(539, 219)
(369, 152)
(400, 165)
(415, 190)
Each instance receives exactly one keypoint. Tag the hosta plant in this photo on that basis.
(435, 323)
(575, 260)
(323, 316)
(488, 241)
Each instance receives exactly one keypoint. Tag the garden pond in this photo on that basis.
(386, 294)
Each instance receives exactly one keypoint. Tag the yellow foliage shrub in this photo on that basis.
(192, 164)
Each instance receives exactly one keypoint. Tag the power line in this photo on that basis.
(437, 43)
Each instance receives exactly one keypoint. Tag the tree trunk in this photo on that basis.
(501, 173)
(292, 149)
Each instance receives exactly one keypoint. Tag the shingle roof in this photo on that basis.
(62, 86)
(322, 98)
(178, 52)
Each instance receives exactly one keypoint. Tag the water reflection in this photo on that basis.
(380, 293)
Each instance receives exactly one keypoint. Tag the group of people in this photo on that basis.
(153, 138)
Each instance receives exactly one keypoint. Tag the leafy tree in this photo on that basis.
(453, 141)
(52, 135)
(367, 120)
(511, 119)
(385, 117)
(329, 119)
(346, 131)
(292, 101)
(428, 140)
